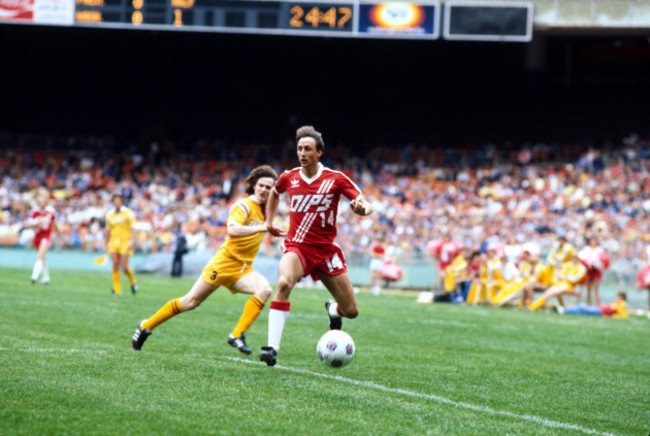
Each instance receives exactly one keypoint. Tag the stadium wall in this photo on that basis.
(415, 276)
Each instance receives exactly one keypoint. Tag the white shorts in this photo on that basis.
(376, 264)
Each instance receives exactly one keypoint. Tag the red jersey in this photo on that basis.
(44, 219)
(314, 202)
(378, 251)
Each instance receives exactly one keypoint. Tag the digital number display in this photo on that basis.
(321, 16)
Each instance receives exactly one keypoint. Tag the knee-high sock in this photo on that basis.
(252, 310)
(38, 267)
(537, 303)
(129, 273)
(117, 287)
(46, 273)
(278, 314)
(171, 308)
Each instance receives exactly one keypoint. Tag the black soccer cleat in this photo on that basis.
(139, 336)
(268, 355)
(134, 289)
(239, 343)
(335, 322)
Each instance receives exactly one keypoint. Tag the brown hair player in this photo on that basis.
(309, 249)
(231, 266)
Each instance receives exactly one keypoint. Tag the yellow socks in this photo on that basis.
(171, 308)
(252, 309)
(537, 303)
(129, 273)
(116, 282)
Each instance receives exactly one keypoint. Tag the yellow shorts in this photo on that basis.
(119, 246)
(223, 270)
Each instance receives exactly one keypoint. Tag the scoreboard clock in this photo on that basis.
(324, 16)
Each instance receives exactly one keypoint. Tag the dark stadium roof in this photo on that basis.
(62, 80)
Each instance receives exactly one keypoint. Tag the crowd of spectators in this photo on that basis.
(474, 194)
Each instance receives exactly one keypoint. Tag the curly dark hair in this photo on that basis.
(310, 132)
(256, 174)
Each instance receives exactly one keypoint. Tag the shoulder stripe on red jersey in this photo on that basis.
(325, 186)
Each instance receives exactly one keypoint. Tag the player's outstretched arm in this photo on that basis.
(236, 230)
(360, 206)
(271, 208)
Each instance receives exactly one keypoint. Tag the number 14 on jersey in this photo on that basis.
(325, 219)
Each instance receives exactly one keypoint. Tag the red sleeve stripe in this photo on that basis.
(244, 206)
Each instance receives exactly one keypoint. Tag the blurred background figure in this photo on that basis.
(43, 221)
(121, 240)
(179, 248)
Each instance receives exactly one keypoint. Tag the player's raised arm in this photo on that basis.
(271, 208)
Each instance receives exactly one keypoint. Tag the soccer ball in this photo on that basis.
(335, 348)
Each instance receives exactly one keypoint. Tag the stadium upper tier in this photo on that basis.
(513, 194)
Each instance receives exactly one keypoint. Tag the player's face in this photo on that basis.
(117, 202)
(308, 155)
(263, 188)
(41, 200)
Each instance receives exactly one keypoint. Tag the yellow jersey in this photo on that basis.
(573, 272)
(120, 223)
(459, 264)
(619, 308)
(561, 254)
(246, 212)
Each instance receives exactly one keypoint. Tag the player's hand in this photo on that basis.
(276, 231)
(359, 207)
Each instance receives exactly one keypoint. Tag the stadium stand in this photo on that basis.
(520, 193)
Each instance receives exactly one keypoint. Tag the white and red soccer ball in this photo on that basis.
(335, 348)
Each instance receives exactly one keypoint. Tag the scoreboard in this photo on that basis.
(331, 18)
(480, 20)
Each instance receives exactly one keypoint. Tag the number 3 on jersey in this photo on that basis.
(334, 263)
(327, 220)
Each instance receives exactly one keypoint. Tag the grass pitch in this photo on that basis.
(67, 367)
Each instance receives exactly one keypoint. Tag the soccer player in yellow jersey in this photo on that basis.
(570, 275)
(121, 237)
(561, 253)
(454, 272)
(534, 273)
(231, 266)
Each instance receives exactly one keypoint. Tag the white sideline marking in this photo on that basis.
(52, 350)
(438, 398)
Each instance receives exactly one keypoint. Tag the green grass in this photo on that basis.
(67, 367)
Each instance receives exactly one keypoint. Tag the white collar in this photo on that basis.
(315, 176)
(254, 198)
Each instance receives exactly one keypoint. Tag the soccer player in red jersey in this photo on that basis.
(42, 219)
(309, 249)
